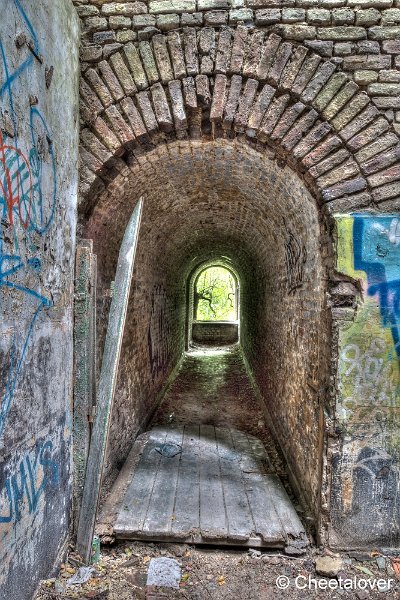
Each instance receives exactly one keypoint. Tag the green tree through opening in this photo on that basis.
(215, 295)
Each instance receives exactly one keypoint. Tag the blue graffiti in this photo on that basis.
(42, 215)
(28, 193)
(34, 475)
(11, 77)
(376, 241)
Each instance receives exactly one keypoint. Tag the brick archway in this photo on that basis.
(215, 83)
(215, 103)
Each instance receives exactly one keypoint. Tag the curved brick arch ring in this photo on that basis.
(239, 83)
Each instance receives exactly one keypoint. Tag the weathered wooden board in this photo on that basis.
(160, 511)
(259, 486)
(208, 485)
(239, 518)
(187, 502)
(136, 502)
(106, 388)
(84, 363)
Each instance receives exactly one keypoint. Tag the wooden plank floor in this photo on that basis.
(204, 484)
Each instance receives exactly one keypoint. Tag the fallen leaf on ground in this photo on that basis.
(396, 567)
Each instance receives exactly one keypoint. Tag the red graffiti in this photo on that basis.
(16, 189)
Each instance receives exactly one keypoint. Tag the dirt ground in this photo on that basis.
(219, 574)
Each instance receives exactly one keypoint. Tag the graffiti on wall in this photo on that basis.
(369, 250)
(159, 332)
(38, 185)
(377, 252)
(295, 259)
(368, 408)
(28, 191)
(366, 477)
(21, 491)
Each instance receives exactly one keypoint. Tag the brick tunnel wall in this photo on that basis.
(314, 88)
(39, 44)
(214, 199)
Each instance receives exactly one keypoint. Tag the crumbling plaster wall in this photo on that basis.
(39, 71)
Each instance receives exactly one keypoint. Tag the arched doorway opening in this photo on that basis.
(213, 305)
(215, 295)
